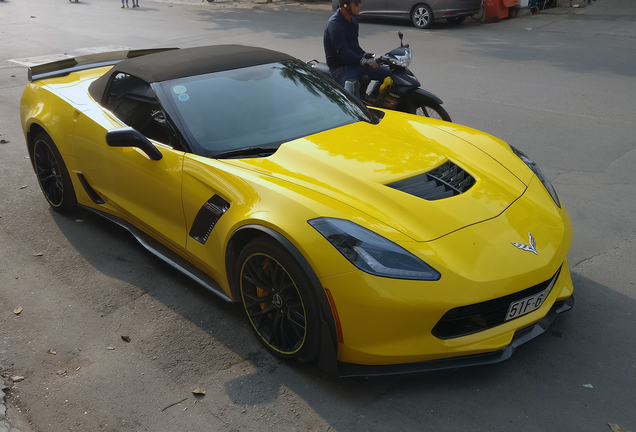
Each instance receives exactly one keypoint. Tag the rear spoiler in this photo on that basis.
(67, 66)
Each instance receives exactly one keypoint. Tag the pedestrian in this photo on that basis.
(135, 3)
(122, 4)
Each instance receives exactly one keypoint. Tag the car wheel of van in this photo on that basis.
(52, 174)
(279, 301)
(422, 16)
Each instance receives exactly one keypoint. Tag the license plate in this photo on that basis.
(529, 304)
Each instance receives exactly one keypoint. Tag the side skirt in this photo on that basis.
(166, 255)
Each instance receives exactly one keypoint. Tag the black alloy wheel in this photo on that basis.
(279, 302)
(52, 174)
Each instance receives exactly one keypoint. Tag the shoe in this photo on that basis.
(123, 7)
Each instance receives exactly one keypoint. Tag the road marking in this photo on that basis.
(107, 48)
(34, 61)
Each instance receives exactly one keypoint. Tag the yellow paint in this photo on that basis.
(339, 173)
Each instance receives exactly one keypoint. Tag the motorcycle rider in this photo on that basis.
(346, 60)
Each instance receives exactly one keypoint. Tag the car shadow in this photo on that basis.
(580, 347)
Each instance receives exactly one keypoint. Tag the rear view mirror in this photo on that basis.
(130, 137)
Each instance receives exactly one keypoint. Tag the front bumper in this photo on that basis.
(349, 370)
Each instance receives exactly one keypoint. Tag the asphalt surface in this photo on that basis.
(560, 85)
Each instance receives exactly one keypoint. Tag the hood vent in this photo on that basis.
(445, 181)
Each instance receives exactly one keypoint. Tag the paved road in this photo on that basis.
(559, 85)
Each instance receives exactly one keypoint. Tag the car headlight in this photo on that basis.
(535, 169)
(371, 252)
(403, 60)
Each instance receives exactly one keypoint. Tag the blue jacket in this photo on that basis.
(341, 42)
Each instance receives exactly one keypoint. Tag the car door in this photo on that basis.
(146, 192)
(368, 7)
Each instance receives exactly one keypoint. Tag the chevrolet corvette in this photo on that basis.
(370, 242)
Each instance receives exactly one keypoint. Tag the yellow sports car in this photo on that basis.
(373, 242)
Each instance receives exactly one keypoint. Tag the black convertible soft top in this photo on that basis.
(185, 62)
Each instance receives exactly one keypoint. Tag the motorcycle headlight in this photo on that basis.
(535, 169)
(373, 253)
(403, 60)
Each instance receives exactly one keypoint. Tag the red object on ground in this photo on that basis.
(496, 10)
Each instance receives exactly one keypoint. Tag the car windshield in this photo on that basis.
(224, 113)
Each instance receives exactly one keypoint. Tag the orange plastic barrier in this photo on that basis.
(496, 10)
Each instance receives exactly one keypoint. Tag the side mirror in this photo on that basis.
(401, 36)
(129, 137)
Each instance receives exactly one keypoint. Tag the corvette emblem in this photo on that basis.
(532, 248)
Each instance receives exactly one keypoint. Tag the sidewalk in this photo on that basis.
(255, 4)
(602, 17)
(625, 9)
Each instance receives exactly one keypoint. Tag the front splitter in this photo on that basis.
(349, 370)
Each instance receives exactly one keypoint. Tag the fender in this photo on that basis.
(426, 96)
(328, 360)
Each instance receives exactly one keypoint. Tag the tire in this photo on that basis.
(422, 16)
(279, 301)
(456, 20)
(52, 174)
(430, 110)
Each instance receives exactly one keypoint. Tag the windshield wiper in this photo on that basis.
(247, 151)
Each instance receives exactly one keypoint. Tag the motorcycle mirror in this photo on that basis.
(401, 36)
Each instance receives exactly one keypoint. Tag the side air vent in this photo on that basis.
(94, 196)
(207, 217)
(445, 181)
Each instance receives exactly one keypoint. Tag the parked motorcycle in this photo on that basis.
(402, 92)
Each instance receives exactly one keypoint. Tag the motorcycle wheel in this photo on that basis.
(430, 110)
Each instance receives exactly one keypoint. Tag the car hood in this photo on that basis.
(354, 164)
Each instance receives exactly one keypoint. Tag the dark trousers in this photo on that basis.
(348, 73)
